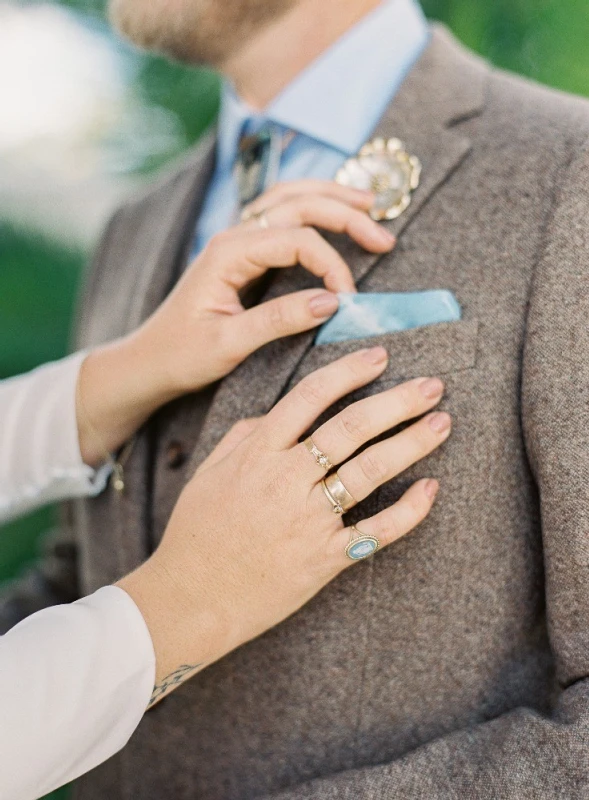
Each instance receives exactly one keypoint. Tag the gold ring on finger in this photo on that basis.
(341, 500)
(361, 545)
(321, 458)
(263, 221)
(261, 217)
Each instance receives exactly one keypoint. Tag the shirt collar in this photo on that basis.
(340, 97)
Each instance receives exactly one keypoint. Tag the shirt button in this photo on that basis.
(175, 455)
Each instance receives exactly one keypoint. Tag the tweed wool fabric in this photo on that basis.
(454, 664)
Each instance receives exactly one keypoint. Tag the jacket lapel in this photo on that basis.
(445, 87)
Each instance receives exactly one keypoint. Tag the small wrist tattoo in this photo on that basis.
(172, 680)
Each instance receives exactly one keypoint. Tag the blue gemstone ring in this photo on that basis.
(361, 545)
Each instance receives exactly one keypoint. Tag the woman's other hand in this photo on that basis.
(254, 536)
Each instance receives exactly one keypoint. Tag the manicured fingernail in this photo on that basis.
(387, 237)
(323, 305)
(440, 422)
(431, 488)
(376, 355)
(431, 387)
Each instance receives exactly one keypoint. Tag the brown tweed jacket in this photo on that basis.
(454, 664)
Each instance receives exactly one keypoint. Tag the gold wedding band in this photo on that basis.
(260, 216)
(337, 494)
(262, 220)
(362, 545)
(321, 458)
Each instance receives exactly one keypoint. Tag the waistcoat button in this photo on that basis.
(175, 455)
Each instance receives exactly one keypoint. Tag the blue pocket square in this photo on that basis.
(363, 315)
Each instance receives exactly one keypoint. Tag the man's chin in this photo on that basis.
(206, 32)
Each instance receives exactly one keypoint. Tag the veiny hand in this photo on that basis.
(202, 332)
(253, 536)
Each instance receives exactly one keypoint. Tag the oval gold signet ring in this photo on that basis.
(361, 545)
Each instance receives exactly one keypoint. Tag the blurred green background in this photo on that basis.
(40, 267)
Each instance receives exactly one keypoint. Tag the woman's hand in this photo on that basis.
(254, 537)
(202, 331)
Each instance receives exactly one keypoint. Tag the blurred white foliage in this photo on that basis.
(71, 122)
(60, 83)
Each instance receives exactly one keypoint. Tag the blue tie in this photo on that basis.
(257, 162)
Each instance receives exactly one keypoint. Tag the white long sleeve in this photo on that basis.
(75, 681)
(40, 460)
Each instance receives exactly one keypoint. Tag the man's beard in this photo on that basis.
(196, 31)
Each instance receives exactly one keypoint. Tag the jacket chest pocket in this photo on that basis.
(433, 350)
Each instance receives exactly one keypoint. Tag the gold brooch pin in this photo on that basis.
(387, 169)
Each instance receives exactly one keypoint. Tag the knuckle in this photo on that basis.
(354, 424)
(261, 437)
(252, 462)
(424, 435)
(226, 344)
(418, 443)
(279, 315)
(308, 201)
(356, 366)
(310, 238)
(388, 529)
(311, 390)
(252, 423)
(303, 209)
(359, 220)
(372, 466)
(243, 427)
(417, 505)
(217, 244)
(406, 399)
(283, 243)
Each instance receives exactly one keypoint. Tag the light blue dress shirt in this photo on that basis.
(333, 106)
